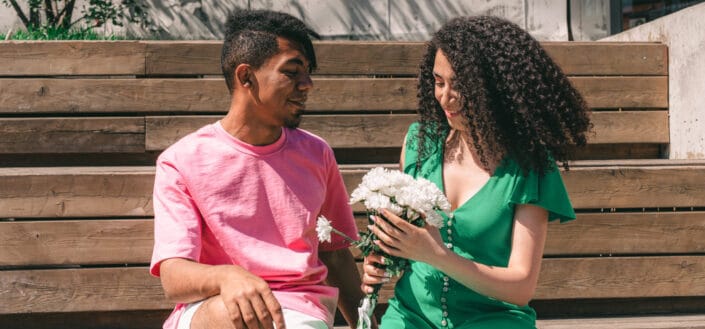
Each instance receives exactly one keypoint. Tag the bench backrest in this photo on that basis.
(82, 122)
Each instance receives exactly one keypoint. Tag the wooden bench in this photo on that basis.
(81, 124)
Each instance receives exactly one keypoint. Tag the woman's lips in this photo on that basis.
(451, 114)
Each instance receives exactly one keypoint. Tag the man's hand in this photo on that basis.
(250, 302)
(247, 301)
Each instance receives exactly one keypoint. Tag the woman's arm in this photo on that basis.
(514, 284)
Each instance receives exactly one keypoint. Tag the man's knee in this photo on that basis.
(212, 314)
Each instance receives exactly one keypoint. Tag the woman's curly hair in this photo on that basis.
(517, 101)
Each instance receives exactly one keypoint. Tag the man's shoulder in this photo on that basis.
(190, 144)
(307, 138)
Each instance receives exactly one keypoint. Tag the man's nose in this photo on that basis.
(305, 83)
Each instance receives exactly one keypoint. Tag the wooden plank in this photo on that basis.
(129, 134)
(603, 307)
(80, 290)
(388, 130)
(619, 233)
(76, 192)
(40, 243)
(72, 135)
(623, 92)
(22, 58)
(86, 320)
(132, 288)
(341, 131)
(127, 191)
(645, 187)
(632, 322)
(628, 234)
(402, 58)
(612, 277)
(609, 58)
(209, 95)
(630, 127)
(90, 242)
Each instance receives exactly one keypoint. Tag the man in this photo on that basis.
(236, 202)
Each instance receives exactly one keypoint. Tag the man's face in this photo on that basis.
(283, 82)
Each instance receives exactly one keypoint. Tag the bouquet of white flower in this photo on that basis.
(418, 201)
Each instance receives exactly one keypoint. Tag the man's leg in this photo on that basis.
(212, 314)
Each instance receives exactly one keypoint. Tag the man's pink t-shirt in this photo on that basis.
(218, 200)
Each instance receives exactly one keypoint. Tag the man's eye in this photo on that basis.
(440, 84)
(290, 73)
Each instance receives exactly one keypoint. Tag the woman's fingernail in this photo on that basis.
(387, 274)
(373, 218)
(369, 227)
(385, 280)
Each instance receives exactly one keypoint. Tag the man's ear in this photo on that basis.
(243, 75)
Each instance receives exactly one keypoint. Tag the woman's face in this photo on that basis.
(445, 92)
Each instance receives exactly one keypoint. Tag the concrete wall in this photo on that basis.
(412, 20)
(684, 33)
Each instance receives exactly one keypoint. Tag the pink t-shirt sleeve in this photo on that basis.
(336, 207)
(177, 221)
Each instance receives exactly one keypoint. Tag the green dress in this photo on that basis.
(480, 229)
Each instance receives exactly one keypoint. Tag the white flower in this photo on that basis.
(323, 228)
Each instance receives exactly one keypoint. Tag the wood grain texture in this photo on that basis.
(72, 58)
(210, 95)
(80, 290)
(402, 58)
(127, 191)
(91, 242)
(72, 135)
(387, 130)
(70, 242)
(132, 288)
(632, 322)
(76, 191)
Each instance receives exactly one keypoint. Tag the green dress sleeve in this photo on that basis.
(547, 191)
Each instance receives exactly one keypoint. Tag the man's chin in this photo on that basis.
(293, 122)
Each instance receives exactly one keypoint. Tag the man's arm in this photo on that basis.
(246, 296)
(343, 274)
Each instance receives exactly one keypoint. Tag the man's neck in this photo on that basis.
(238, 124)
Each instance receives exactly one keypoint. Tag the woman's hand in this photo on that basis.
(373, 273)
(397, 237)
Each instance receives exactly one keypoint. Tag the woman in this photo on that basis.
(495, 114)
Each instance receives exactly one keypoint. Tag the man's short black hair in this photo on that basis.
(251, 37)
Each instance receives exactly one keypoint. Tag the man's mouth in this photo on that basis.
(299, 102)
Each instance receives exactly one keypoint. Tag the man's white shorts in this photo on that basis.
(293, 319)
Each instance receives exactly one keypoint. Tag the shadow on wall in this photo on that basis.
(333, 19)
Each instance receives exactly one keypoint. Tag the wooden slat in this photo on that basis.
(86, 320)
(628, 233)
(641, 322)
(134, 135)
(89, 242)
(80, 290)
(72, 58)
(132, 288)
(329, 94)
(127, 191)
(623, 92)
(609, 58)
(380, 130)
(402, 58)
(76, 191)
(71, 135)
(340, 131)
(630, 127)
(82, 242)
(612, 277)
